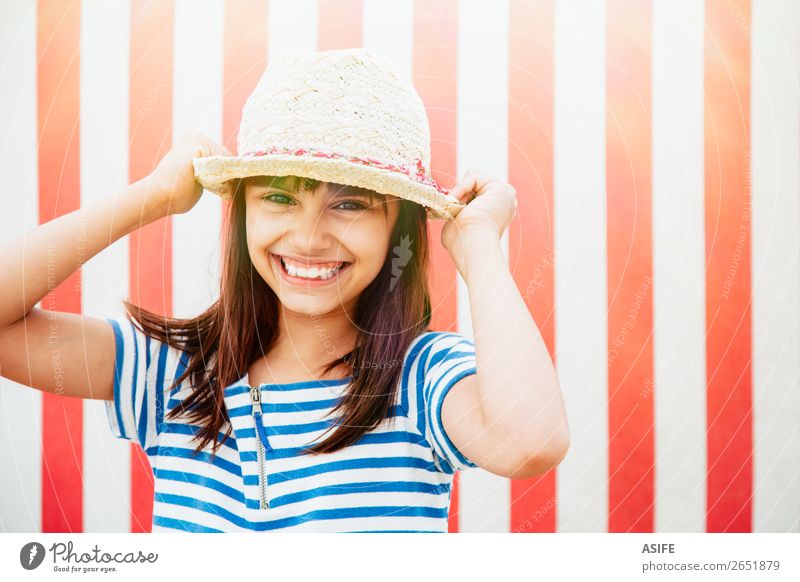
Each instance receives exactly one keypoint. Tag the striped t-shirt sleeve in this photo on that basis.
(144, 369)
(450, 358)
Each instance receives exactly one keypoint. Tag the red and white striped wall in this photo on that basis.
(655, 149)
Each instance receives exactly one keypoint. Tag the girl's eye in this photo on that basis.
(279, 198)
(274, 196)
(354, 205)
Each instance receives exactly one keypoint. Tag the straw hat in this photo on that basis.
(343, 116)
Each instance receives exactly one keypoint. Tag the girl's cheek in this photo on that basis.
(369, 246)
(262, 228)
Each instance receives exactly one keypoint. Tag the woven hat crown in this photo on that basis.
(347, 101)
(344, 116)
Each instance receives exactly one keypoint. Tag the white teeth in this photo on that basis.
(311, 273)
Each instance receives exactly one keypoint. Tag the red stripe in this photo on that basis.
(58, 101)
(630, 269)
(727, 211)
(245, 39)
(340, 24)
(530, 236)
(435, 76)
(150, 247)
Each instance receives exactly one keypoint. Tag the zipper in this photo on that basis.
(262, 445)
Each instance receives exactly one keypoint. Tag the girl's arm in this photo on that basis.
(41, 259)
(68, 353)
(522, 425)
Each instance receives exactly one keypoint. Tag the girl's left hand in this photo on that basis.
(491, 204)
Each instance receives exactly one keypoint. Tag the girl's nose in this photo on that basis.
(309, 229)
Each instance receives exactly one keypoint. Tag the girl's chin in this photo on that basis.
(308, 305)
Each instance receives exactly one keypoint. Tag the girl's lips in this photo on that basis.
(301, 281)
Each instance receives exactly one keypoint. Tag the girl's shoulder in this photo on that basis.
(433, 340)
(435, 363)
(145, 361)
(145, 374)
(435, 352)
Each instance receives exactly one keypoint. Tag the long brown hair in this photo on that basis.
(242, 326)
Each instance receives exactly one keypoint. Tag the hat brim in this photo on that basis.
(215, 173)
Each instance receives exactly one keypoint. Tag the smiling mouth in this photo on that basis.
(310, 274)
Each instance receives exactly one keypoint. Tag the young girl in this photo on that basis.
(311, 396)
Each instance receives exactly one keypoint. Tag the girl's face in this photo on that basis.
(316, 245)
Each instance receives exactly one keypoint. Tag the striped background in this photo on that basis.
(655, 148)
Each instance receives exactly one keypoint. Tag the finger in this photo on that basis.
(475, 182)
(478, 181)
(462, 195)
(221, 150)
(464, 190)
(218, 149)
(466, 183)
(458, 190)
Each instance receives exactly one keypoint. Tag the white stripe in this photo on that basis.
(775, 125)
(678, 391)
(292, 26)
(20, 406)
(171, 363)
(152, 386)
(303, 438)
(580, 258)
(133, 363)
(105, 55)
(197, 105)
(482, 143)
(21, 456)
(388, 31)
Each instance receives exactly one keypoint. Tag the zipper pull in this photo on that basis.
(255, 398)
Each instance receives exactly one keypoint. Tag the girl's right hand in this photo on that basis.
(172, 182)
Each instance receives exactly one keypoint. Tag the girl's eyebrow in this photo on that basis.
(279, 182)
(283, 182)
(291, 183)
(344, 190)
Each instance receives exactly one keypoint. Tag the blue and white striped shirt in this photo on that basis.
(397, 477)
